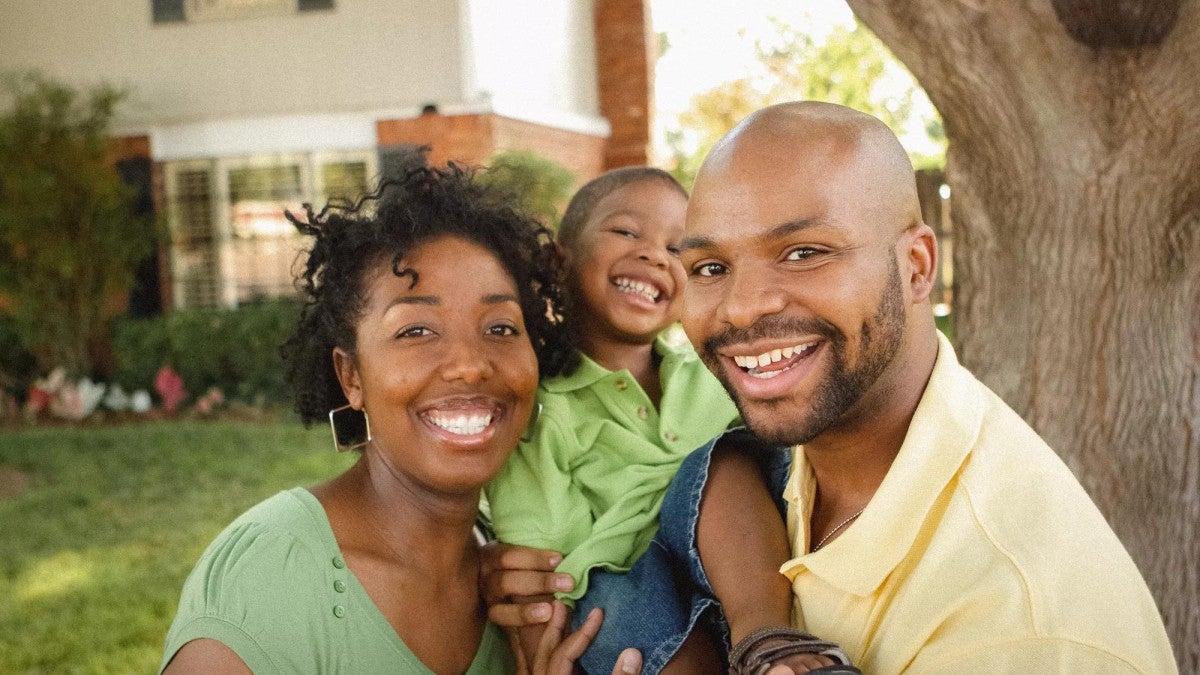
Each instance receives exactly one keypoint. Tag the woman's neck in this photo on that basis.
(395, 513)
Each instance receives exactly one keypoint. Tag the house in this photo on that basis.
(239, 109)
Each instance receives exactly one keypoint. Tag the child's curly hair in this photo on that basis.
(352, 239)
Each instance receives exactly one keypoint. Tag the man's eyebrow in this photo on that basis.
(777, 232)
(497, 298)
(689, 243)
(792, 227)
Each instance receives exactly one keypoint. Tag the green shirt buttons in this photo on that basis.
(339, 586)
(339, 611)
(338, 562)
(621, 385)
(643, 413)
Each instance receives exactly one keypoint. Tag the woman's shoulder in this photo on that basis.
(265, 566)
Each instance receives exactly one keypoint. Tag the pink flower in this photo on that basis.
(38, 400)
(169, 386)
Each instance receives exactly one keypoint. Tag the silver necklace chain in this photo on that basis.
(837, 529)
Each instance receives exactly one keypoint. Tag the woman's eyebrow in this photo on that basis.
(497, 298)
(415, 300)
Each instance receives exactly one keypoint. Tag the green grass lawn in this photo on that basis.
(93, 554)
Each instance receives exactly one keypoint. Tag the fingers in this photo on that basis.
(628, 663)
(551, 658)
(797, 664)
(502, 583)
(515, 615)
(497, 556)
(562, 661)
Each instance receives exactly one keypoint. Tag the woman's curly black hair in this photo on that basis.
(352, 239)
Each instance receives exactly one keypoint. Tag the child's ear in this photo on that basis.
(564, 253)
(347, 375)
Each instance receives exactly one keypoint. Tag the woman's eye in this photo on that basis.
(503, 330)
(710, 269)
(414, 332)
(802, 253)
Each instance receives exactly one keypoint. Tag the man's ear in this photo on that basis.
(347, 375)
(922, 257)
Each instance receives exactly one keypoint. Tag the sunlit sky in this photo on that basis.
(713, 42)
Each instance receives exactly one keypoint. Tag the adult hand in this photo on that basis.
(557, 655)
(518, 583)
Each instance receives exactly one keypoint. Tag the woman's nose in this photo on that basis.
(466, 360)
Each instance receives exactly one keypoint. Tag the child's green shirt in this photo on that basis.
(589, 477)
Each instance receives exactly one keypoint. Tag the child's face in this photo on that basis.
(624, 268)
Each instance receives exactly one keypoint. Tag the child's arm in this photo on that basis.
(743, 543)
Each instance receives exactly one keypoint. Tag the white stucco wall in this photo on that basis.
(533, 59)
(363, 55)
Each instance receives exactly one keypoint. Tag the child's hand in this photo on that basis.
(519, 582)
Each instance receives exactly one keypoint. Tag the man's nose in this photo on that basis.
(749, 296)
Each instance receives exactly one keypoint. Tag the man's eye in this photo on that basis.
(414, 332)
(802, 253)
(711, 269)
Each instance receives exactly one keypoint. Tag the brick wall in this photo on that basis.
(473, 139)
(625, 64)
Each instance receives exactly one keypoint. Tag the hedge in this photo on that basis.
(235, 350)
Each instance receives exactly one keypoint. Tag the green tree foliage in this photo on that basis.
(68, 239)
(542, 186)
(850, 66)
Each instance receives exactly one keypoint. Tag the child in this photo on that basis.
(589, 477)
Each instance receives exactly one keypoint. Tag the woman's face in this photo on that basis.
(444, 369)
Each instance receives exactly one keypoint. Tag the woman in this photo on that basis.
(422, 316)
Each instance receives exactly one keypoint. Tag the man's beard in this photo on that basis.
(778, 421)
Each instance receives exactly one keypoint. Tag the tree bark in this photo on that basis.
(1074, 168)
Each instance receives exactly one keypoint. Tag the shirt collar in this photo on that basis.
(589, 372)
(942, 432)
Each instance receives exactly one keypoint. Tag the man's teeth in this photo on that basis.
(752, 363)
(639, 287)
(463, 425)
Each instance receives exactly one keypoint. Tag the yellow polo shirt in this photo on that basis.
(979, 553)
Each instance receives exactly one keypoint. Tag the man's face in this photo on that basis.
(794, 297)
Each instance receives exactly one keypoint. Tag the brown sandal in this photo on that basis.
(758, 651)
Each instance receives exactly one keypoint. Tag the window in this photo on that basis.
(183, 11)
(230, 240)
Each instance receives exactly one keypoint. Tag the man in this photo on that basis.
(931, 529)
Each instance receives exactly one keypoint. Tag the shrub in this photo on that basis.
(17, 365)
(68, 237)
(540, 185)
(234, 350)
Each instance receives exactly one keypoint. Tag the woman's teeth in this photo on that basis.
(751, 364)
(462, 425)
(636, 287)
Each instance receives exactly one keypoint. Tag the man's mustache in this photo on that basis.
(771, 327)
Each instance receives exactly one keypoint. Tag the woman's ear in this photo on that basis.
(347, 375)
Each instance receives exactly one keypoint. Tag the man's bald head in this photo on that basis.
(855, 155)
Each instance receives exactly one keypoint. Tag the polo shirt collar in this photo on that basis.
(942, 432)
(589, 372)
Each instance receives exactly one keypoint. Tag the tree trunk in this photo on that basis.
(1074, 167)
